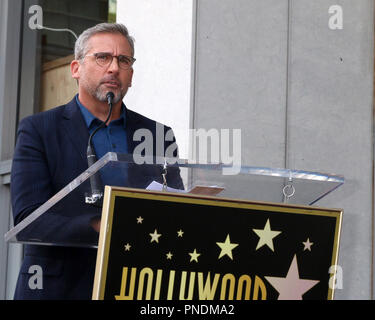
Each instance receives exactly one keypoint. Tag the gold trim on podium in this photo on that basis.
(108, 208)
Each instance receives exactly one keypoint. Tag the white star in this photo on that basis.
(194, 256)
(226, 247)
(307, 245)
(291, 287)
(266, 235)
(169, 255)
(180, 233)
(127, 247)
(139, 219)
(155, 236)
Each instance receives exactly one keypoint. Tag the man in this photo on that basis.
(51, 152)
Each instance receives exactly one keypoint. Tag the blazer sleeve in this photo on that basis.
(32, 185)
(174, 179)
(30, 177)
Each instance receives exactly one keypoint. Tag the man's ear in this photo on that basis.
(131, 77)
(74, 69)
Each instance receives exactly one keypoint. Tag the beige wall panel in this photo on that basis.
(58, 86)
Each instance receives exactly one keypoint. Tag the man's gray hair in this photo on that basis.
(81, 47)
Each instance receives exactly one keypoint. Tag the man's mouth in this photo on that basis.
(112, 83)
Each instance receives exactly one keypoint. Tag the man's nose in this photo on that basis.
(114, 66)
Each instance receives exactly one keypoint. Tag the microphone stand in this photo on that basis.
(96, 190)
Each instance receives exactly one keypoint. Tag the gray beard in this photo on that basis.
(101, 95)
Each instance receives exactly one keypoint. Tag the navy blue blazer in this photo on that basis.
(50, 152)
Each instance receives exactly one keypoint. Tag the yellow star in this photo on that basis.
(307, 245)
(155, 236)
(139, 219)
(127, 247)
(226, 247)
(169, 255)
(180, 233)
(194, 256)
(266, 235)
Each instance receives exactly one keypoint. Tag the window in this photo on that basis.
(48, 52)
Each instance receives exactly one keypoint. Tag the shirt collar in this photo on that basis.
(90, 118)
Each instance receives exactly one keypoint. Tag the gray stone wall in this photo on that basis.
(302, 94)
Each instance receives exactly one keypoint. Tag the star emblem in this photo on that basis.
(226, 247)
(194, 255)
(266, 235)
(307, 245)
(139, 220)
(169, 255)
(291, 287)
(127, 247)
(155, 236)
(180, 233)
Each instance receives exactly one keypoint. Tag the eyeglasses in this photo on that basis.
(104, 59)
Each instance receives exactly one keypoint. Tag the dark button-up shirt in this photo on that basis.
(110, 138)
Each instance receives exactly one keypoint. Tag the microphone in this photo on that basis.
(96, 190)
(110, 95)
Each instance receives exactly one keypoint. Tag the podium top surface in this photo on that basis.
(182, 175)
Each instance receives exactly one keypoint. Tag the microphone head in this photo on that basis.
(110, 95)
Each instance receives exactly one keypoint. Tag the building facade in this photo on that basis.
(295, 76)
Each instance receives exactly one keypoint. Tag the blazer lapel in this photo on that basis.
(75, 128)
(132, 125)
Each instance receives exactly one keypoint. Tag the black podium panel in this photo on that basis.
(164, 246)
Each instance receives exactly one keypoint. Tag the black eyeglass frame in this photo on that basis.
(132, 59)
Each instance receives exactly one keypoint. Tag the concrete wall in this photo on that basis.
(10, 25)
(302, 95)
(241, 56)
(300, 92)
(162, 73)
(330, 113)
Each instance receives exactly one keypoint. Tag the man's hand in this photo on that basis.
(95, 223)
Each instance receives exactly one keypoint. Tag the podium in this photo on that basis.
(175, 229)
